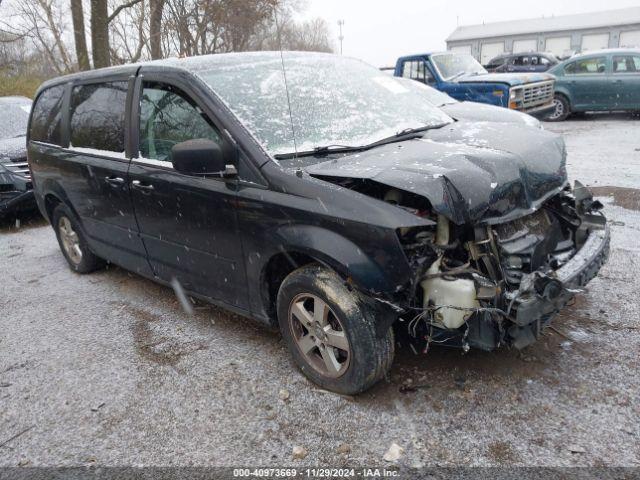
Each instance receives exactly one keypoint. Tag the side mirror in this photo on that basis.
(200, 157)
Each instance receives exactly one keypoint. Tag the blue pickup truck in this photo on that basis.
(463, 78)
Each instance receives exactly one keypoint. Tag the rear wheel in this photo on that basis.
(72, 242)
(331, 332)
(561, 109)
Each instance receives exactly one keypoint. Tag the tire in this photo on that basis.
(562, 109)
(72, 242)
(362, 361)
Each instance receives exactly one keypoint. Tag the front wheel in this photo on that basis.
(561, 109)
(331, 332)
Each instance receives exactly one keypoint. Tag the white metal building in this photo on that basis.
(562, 35)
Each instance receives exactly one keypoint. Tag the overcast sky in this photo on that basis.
(380, 31)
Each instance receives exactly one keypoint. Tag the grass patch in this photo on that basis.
(19, 85)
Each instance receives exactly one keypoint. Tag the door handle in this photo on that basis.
(138, 185)
(115, 181)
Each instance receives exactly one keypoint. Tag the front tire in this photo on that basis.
(561, 111)
(73, 245)
(330, 332)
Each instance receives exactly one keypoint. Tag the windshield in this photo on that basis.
(453, 65)
(14, 117)
(334, 100)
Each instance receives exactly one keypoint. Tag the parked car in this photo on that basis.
(15, 180)
(604, 80)
(463, 78)
(340, 205)
(522, 62)
(473, 111)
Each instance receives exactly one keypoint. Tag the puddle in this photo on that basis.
(627, 198)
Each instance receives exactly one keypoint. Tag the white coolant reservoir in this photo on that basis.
(459, 293)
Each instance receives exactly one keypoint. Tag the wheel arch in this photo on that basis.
(301, 245)
(563, 92)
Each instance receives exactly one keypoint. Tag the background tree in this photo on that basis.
(44, 38)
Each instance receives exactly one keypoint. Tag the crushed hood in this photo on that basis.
(511, 79)
(469, 171)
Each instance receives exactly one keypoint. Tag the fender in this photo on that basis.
(346, 258)
(51, 187)
(565, 91)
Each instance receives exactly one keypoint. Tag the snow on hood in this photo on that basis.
(469, 171)
(482, 112)
(511, 79)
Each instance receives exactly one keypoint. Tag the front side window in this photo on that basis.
(168, 117)
(97, 116)
(47, 116)
(626, 64)
(586, 66)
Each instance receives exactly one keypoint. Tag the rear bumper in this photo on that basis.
(537, 309)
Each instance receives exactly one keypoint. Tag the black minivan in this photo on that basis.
(313, 192)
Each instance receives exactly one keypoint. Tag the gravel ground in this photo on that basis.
(106, 369)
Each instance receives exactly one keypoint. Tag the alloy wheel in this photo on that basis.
(319, 335)
(70, 240)
(558, 109)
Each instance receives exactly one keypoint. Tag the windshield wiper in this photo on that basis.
(323, 150)
(402, 135)
(457, 75)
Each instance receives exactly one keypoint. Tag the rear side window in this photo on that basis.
(97, 116)
(626, 63)
(46, 120)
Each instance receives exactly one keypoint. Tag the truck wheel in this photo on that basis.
(561, 109)
(72, 243)
(331, 333)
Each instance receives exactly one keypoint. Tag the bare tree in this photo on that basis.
(155, 28)
(128, 34)
(82, 54)
(41, 21)
(100, 33)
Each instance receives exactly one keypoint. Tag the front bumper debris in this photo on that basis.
(548, 293)
(17, 201)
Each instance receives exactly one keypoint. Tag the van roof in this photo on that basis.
(189, 64)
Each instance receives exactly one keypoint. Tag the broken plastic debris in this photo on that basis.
(283, 394)
(299, 452)
(394, 453)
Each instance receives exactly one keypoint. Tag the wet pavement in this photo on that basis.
(106, 369)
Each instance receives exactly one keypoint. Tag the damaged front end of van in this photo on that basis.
(507, 241)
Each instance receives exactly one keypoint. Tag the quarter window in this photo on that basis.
(626, 64)
(97, 116)
(169, 117)
(47, 116)
(587, 65)
(417, 70)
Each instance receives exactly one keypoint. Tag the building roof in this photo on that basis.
(608, 18)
